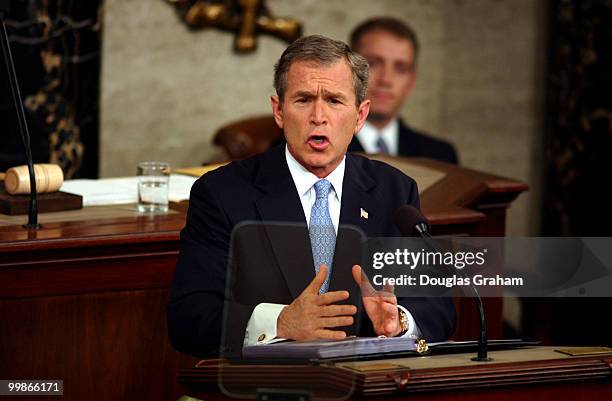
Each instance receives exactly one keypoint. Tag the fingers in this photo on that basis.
(317, 282)
(362, 281)
(330, 334)
(387, 298)
(389, 288)
(391, 320)
(332, 297)
(313, 315)
(391, 325)
(336, 321)
(338, 310)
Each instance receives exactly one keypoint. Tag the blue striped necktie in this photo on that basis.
(321, 230)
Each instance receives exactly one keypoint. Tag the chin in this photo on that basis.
(379, 114)
(316, 164)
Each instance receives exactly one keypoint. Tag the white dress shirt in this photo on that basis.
(262, 322)
(369, 134)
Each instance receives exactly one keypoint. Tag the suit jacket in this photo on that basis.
(261, 189)
(417, 144)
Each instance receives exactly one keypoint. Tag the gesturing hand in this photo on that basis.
(311, 315)
(381, 306)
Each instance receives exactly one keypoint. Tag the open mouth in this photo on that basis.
(318, 142)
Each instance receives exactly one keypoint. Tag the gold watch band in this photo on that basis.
(403, 320)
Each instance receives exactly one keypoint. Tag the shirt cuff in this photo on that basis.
(261, 328)
(413, 330)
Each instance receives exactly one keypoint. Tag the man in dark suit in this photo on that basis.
(391, 49)
(320, 104)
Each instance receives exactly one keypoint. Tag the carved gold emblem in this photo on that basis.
(422, 346)
(246, 18)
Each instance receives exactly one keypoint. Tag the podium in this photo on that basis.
(540, 373)
(84, 299)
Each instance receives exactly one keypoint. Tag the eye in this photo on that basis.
(301, 100)
(403, 68)
(334, 101)
(373, 63)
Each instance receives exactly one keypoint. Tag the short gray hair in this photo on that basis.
(324, 51)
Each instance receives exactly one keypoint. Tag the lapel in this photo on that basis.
(357, 202)
(280, 203)
(407, 146)
(358, 205)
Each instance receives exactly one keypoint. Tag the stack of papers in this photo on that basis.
(321, 349)
(366, 346)
(116, 191)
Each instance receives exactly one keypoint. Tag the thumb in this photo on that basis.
(317, 282)
(362, 281)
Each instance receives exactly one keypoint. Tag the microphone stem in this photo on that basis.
(21, 119)
(482, 353)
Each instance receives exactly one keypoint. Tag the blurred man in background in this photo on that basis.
(391, 48)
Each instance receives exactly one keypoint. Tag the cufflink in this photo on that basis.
(261, 338)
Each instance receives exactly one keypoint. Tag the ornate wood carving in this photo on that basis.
(246, 18)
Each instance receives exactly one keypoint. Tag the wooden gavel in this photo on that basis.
(49, 178)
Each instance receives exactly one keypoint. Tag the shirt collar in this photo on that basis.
(368, 136)
(304, 179)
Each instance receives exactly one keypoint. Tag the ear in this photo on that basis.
(277, 110)
(362, 114)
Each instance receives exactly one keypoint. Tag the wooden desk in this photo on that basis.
(84, 299)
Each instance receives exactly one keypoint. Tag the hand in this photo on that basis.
(381, 306)
(311, 315)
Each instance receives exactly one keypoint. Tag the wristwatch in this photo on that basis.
(403, 320)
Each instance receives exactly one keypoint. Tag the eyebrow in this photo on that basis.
(326, 94)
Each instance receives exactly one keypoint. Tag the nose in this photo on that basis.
(385, 76)
(318, 116)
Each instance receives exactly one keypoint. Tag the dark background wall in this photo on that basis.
(56, 49)
(577, 148)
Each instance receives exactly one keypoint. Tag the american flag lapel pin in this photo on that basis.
(363, 213)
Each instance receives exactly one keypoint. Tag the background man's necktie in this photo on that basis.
(382, 146)
(321, 230)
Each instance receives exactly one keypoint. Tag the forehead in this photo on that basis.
(382, 42)
(313, 76)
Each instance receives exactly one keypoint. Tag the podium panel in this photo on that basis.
(540, 373)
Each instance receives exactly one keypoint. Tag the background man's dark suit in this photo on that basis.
(261, 188)
(416, 144)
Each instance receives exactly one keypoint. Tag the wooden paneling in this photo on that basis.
(105, 346)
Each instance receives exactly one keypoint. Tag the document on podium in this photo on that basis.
(353, 348)
(324, 349)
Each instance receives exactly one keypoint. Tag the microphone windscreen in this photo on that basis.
(406, 217)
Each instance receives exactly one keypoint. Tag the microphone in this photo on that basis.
(409, 220)
(21, 118)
